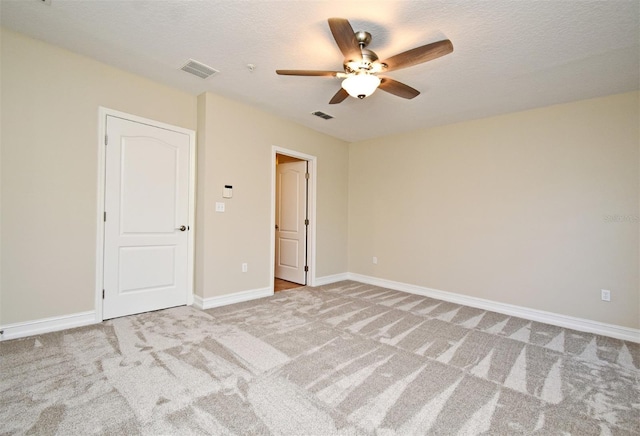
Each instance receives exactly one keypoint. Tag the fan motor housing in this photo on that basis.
(368, 62)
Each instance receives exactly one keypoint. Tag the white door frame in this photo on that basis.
(102, 131)
(311, 199)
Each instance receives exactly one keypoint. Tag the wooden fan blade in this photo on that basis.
(307, 73)
(345, 38)
(397, 88)
(419, 55)
(339, 97)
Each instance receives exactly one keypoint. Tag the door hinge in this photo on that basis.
(306, 176)
(106, 140)
(306, 222)
(104, 217)
(103, 294)
(306, 268)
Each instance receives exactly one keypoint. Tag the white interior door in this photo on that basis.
(291, 213)
(147, 210)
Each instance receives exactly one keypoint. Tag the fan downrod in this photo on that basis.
(363, 38)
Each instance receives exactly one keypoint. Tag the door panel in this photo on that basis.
(291, 187)
(146, 202)
(291, 212)
(289, 250)
(148, 191)
(143, 268)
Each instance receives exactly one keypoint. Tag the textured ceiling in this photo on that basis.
(508, 55)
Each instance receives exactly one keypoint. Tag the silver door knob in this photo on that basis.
(182, 228)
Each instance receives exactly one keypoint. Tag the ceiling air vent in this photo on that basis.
(198, 69)
(322, 115)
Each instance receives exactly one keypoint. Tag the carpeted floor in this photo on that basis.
(346, 358)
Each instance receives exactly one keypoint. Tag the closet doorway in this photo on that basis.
(292, 211)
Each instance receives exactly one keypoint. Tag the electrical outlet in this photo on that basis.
(605, 295)
(245, 267)
(375, 260)
(219, 206)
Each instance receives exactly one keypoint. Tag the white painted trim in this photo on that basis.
(327, 280)
(191, 250)
(100, 198)
(311, 243)
(102, 130)
(237, 297)
(47, 325)
(580, 324)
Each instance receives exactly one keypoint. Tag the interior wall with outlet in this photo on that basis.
(537, 208)
(235, 148)
(49, 167)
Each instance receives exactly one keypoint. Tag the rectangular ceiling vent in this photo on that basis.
(199, 69)
(322, 115)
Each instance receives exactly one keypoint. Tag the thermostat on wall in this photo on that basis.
(227, 192)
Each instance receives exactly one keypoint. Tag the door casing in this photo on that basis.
(102, 116)
(311, 229)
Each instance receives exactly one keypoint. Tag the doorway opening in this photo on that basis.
(293, 215)
(284, 285)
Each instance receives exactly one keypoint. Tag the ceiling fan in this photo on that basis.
(362, 66)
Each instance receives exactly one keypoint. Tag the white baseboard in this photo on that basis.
(238, 297)
(580, 324)
(326, 280)
(47, 325)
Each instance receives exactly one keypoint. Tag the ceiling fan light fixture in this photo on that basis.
(361, 85)
(361, 65)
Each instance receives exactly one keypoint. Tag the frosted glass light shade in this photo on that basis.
(361, 85)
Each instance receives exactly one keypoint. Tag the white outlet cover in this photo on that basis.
(219, 206)
(605, 295)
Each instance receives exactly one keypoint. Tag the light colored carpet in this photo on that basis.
(346, 359)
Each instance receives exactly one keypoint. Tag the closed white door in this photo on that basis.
(146, 218)
(291, 213)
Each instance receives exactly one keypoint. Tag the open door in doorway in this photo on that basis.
(291, 220)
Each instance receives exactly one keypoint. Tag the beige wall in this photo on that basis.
(49, 179)
(235, 148)
(511, 208)
(50, 100)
